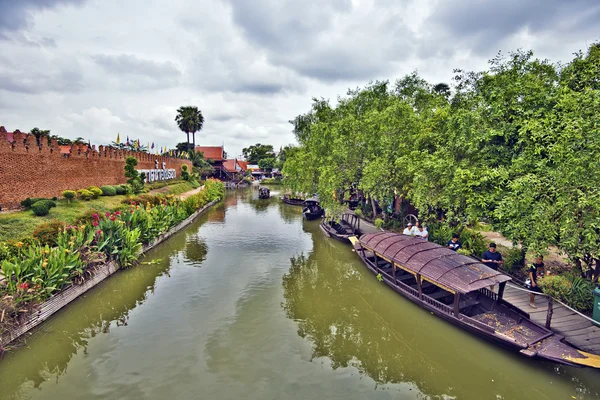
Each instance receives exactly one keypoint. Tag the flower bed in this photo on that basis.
(36, 272)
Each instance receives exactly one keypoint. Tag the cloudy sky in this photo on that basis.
(93, 68)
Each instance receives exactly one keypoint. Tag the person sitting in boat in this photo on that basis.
(537, 267)
(408, 231)
(454, 243)
(422, 233)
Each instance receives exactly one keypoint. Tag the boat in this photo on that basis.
(455, 287)
(342, 230)
(292, 201)
(264, 192)
(312, 209)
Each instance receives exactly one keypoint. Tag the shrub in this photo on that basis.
(85, 194)
(358, 212)
(378, 223)
(185, 175)
(513, 258)
(119, 189)
(26, 203)
(69, 195)
(54, 198)
(47, 233)
(96, 191)
(40, 208)
(108, 190)
(50, 203)
(127, 188)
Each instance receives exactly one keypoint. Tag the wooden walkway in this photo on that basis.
(577, 329)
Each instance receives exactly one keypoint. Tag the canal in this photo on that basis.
(251, 302)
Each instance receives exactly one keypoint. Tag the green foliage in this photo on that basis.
(134, 178)
(573, 290)
(108, 190)
(40, 208)
(120, 189)
(95, 191)
(189, 119)
(185, 175)
(267, 164)
(513, 259)
(254, 154)
(358, 212)
(85, 194)
(379, 223)
(28, 202)
(69, 195)
(48, 232)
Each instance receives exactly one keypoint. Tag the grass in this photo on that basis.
(21, 224)
(181, 188)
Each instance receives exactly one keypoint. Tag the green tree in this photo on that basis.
(267, 164)
(253, 154)
(189, 119)
(134, 178)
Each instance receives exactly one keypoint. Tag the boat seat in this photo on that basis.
(437, 295)
(468, 302)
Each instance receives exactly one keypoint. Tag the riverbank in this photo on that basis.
(95, 250)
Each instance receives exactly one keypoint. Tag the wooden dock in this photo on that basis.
(578, 330)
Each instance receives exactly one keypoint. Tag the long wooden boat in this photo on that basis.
(292, 201)
(312, 210)
(348, 226)
(455, 288)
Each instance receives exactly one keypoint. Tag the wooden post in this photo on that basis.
(394, 271)
(456, 304)
(550, 310)
(501, 290)
(419, 286)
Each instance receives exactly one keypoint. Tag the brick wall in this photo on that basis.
(29, 170)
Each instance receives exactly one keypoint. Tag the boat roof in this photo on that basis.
(436, 263)
(312, 199)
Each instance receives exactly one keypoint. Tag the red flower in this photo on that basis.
(117, 212)
(24, 285)
(95, 216)
(133, 203)
(107, 214)
(112, 218)
(95, 223)
(99, 232)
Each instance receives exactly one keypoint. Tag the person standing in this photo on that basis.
(454, 243)
(492, 259)
(537, 267)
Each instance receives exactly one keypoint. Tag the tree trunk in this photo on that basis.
(194, 141)
(373, 207)
(188, 140)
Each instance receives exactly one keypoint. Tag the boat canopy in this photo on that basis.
(433, 262)
(312, 200)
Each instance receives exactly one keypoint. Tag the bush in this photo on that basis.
(378, 223)
(513, 258)
(26, 203)
(571, 289)
(127, 188)
(108, 190)
(54, 198)
(40, 208)
(47, 233)
(96, 191)
(85, 194)
(185, 175)
(69, 195)
(358, 212)
(50, 203)
(119, 189)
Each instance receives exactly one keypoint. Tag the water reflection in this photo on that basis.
(355, 321)
(196, 250)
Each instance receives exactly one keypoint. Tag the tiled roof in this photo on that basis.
(229, 165)
(212, 152)
(243, 164)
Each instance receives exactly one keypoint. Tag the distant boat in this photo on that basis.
(264, 192)
(348, 226)
(312, 209)
(455, 288)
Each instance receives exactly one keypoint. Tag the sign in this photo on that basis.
(156, 174)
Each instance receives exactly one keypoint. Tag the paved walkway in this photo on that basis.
(578, 330)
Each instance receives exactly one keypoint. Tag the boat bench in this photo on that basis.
(468, 302)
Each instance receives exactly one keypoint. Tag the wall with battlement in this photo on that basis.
(29, 170)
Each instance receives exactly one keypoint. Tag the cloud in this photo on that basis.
(16, 15)
(51, 75)
(133, 73)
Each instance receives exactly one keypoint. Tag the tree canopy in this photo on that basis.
(253, 154)
(517, 145)
(189, 119)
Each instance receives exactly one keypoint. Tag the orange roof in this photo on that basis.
(243, 164)
(229, 165)
(212, 152)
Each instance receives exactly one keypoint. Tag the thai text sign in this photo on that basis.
(153, 175)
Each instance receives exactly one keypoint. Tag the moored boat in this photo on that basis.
(312, 209)
(264, 192)
(342, 230)
(292, 201)
(455, 288)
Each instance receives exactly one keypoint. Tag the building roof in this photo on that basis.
(232, 165)
(243, 164)
(433, 262)
(213, 152)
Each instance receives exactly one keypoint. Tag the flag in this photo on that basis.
(152, 145)
(118, 141)
(127, 140)
(138, 143)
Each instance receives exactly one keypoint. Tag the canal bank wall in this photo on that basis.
(45, 310)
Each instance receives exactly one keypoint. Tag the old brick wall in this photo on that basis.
(29, 170)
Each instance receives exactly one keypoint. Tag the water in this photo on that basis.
(225, 314)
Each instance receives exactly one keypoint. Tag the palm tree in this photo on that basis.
(190, 120)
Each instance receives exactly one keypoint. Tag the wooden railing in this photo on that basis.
(440, 306)
(487, 292)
